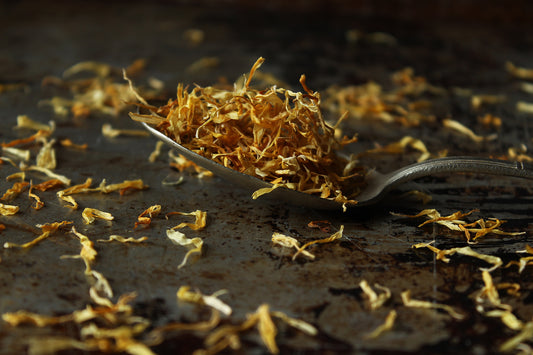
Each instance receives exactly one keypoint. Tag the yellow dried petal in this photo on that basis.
(47, 230)
(409, 302)
(22, 154)
(460, 128)
(8, 210)
(90, 214)
(199, 222)
(267, 329)
(110, 132)
(335, 236)
(386, 326)
(121, 239)
(185, 294)
(519, 72)
(375, 301)
(46, 158)
(289, 242)
(49, 173)
(14, 191)
(467, 251)
(179, 238)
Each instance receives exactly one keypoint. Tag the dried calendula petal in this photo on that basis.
(525, 334)
(455, 222)
(50, 345)
(199, 221)
(523, 261)
(16, 153)
(335, 236)
(525, 107)
(157, 151)
(90, 214)
(122, 239)
(480, 100)
(185, 294)
(489, 294)
(295, 323)
(179, 238)
(46, 158)
(146, 216)
(48, 173)
(41, 133)
(289, 242)
(400, 148)
(467, 251)
(122, 187)
(507, 318)
(14, 191)
(460, 128)
(265, 190)
(38, 202)
(110, 132)
(46, 229)
(409, 302)
(87, 253)
(48, 184)
(519, 72)
(386, 326)
(65, 194)
(23, 317)
(68, 143)
(8, 210)
(375, 301)
(267, 329)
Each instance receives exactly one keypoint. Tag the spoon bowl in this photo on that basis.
(378, 185)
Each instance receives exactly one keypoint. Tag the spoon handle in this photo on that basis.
(380, 184)
(461, 165)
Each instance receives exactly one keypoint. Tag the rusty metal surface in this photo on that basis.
(239, 255)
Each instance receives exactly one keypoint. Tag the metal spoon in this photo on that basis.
(377, 184)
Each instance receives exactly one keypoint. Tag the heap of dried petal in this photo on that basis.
(276, 135)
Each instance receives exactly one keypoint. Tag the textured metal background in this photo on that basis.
(37, 40)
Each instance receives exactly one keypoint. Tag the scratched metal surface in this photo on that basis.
(239, 256)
